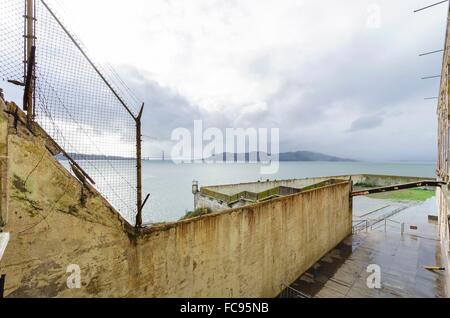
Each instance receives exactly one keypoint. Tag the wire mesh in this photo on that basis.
(74, 104)
(12, 40)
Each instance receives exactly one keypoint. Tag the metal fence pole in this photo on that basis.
(29, 39)
(139, 168)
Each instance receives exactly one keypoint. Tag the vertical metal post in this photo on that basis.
(29, 40)
(139, 167)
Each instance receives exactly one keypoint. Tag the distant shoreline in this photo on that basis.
(299, 156)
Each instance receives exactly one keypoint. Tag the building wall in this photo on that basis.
(443, 171)
(55, 221)
(3, 167)
(443, 197)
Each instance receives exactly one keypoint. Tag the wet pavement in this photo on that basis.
(343, 272)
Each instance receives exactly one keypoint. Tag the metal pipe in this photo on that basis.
(430, 77)
(432, 5)
(432, 52)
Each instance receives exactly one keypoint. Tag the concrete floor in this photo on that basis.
(343, 272)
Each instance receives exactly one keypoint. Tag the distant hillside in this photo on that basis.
(307, 156)
(311, 156)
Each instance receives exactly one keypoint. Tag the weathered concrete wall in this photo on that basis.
(443, 197)
(3, 167)
(264, 186)
(249, 251)
(443, 143)
(202, 201)
(215, 203)
(377, 180)
(56, 221)
(384, 180)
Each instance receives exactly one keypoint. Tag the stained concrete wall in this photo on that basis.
(443, 143)
(3, 167)
(203, 200)
(56, 221)
(377, 180)
(443, 197)
(257, 187)
(249, 251)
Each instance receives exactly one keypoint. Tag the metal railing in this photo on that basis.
(375, 224)
(290, 292)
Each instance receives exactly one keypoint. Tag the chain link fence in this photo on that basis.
(12, 50)
(84, 107)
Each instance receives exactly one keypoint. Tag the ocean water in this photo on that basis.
(170, 184)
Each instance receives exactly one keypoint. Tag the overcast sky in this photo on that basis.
(332, 75)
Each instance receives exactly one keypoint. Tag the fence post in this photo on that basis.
(139, 168)
(28, 104)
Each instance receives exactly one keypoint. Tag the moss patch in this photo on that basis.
(83, 198)
(406, 195)
(196, 213)
(31, 207)
(20, 185)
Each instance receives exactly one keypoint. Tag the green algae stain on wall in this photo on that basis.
(19, 184)
(21, 193)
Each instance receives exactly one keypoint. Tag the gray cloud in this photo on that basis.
(366, 123)
(358, 97)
